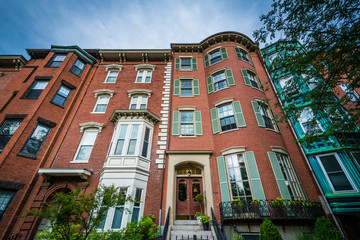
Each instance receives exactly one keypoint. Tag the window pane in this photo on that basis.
(121, 140)
(139, 77)
(59, 100)
(132, 145)
(215, 57)
(40, 85)
(59, 58)
(84, 153)
(5, 199)
(117, 217)
(101, 108)
(148, 77)
(80, 64)
(182, 194)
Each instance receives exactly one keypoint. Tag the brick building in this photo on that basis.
(164, 125)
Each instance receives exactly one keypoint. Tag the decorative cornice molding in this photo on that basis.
(87, 125)
(145, 66)
(139, 92)
(116, 67)
(134, 114)
(47, 173)
(223, 101)
(279, 150)
(99, 92)
(187, 108)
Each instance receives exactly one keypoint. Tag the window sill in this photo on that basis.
(29, 97)
(143, 82)
(231, 130)
(57, 105)
(215, 91)
(26, 156)
(79, 161)
(215, 63)
(187, 136)
(76, 74)
(183, 70)
(272, 130)
(97, 112)
(187, 96)
(110, 82)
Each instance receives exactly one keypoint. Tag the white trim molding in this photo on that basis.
(279, 149)
(114, 67)
(223, 101)
(145, 66)
(139, 92)
(64, 172)
(187, 108)
(232, 150)
(99, 92)
(87, 125)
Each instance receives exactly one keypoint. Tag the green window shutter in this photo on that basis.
(223, 179)
(206, 61)
(177, 63)
(246, 77)
(279, 176)
(237, 51)
(194, 63)
(240, 120)
(214, 120)
(258, 115)
(176, 87)
(254, 175)
(229, 77)
(261, 86)
(224, 53)
(196, 87)
(198, 123)
(175, 125)
(209, 84)
(252, 63)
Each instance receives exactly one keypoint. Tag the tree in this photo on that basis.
(329, 32)
(268, 231)
(325, 230)
(75, 215)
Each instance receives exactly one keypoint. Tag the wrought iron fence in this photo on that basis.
(218, 229)
(273, 209)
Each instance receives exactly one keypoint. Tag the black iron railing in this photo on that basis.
(218, 229)
(273, 209)
(166, 228)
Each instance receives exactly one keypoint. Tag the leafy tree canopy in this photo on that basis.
(329, 32)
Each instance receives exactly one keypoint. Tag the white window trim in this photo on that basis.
(107, 76)
(219, 118)
(97, 102)
(80, 144)
(270, 114)
(218, 48)
(113, 67)
(247, 53)
(218, 72)
(84, 126)
(193, 123)
(192, 85)
(139, 101)
(140, 138)
(180, 57)
(342, 168)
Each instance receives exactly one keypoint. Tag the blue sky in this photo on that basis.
(110, 24)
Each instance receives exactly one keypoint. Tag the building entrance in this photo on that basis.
(186, 189)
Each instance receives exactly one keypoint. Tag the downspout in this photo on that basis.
(168, 138)
(306, 159)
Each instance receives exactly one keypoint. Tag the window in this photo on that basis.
(187, 123)
(136, 208)
(118, 211)
(352, 94)
(289, 87)
(238, 177)
(126, 143)
(274, 56)
(78, 67)
(185, 63)
(138, 102)
(6, 195)
(145, 148)
(56, 60)
(291, 180)
(308, 122)
(7, 129)
(101, 104)
(144, 76)
(311, 82)
(86, 145)
(111, 77)
(36, 89)
(243, 55)
(61, 96)
(36, 140)
(356, 156)
(335, 172)
(220, 80)
(227, 118)
(215, 56)
(251, 79)
(186, 88)
(265, 115)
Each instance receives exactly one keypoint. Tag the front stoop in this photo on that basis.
(189, 230)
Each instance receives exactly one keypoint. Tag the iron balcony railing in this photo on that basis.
(219, 231)
(273, 209)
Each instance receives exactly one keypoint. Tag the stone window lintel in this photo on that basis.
(99, 92)
(87, 125)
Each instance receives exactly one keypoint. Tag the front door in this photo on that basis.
(186, 190)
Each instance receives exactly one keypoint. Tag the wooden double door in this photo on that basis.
(186, 190)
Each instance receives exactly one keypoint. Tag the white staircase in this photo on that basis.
(189, 230)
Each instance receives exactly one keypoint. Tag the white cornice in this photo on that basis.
(99, 92)
(87, 125)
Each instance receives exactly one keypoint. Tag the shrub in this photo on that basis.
(268, 231)
(143, 230)
(237, 237)
(305, 236)
(325, 230)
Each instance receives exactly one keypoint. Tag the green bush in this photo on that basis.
(237, 237)
(305, 236)
(325, 230)
(268, 231)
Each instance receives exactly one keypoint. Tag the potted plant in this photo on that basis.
(198, 217)
(205, 219)
(278, 205)
(237, 203)
(199, 198)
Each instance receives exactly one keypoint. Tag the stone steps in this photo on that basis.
(189, 230)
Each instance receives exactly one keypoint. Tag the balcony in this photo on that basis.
(272, 209)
